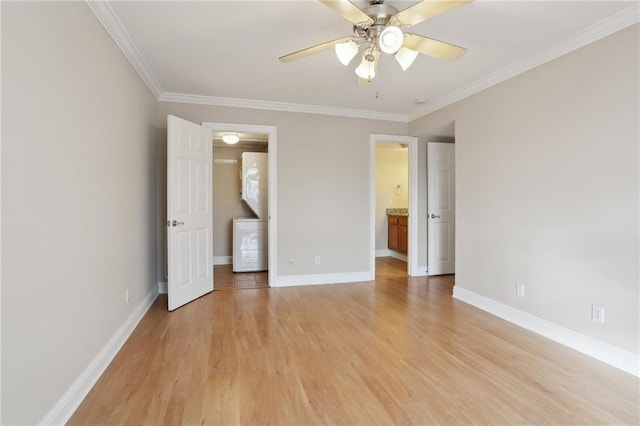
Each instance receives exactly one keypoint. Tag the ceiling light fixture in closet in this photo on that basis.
(230, 138)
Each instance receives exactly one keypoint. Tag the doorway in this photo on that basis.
(239, 227)
(258, 138)
(404, 190)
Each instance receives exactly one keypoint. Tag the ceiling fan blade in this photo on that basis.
(348, 11)
(312, 50)
(432, 47)
(425, 10)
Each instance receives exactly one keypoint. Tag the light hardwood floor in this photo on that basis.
(225, 279)
(393, 351)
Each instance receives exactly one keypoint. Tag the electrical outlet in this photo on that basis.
(290, 261)
(597, 314)
(519, 289)
(127, 295)
(317, 260)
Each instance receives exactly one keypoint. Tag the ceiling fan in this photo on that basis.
(378, 29)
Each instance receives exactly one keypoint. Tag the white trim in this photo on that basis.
(399, 256)
(413, 208)
(383, 253)
(272, 154)
(412, 252)
(112, 24)
(280, 106)
(616, 357)
(320, 279)
(71, 399)
(607, 26)
(163, 287)
(222, 260)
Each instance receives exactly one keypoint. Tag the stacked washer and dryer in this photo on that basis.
(250, 238)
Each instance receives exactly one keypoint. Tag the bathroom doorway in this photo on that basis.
(393, 209)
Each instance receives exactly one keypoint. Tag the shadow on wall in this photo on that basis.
(161, 206)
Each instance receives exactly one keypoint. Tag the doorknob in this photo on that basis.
(176, 223)
(433, 216)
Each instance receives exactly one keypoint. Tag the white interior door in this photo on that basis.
(189, 211)
(441, 208)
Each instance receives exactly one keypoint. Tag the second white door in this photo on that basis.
(441, 208)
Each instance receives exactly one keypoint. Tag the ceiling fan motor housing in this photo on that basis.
(381, 15)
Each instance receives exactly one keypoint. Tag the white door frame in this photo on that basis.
(272, 135)
(412, 253)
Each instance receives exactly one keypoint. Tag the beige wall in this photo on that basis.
(322, 184)
(392, 168)
(226, 197)
(78, 199)
(547, 189)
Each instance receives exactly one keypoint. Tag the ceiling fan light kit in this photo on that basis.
(346, 51)
(378, 28)
(367, 68)
(391, 39)
(405, 57)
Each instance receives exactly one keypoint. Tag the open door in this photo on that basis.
(441, 208)
(189, 211)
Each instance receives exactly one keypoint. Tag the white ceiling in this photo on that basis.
(230, 49)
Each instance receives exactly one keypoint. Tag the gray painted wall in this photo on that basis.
(323, 184)
(547, 189)
(78, 199)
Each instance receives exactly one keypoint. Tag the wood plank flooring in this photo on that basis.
(393, 351)
(225, 279)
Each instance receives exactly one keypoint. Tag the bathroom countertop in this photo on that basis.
(398, 212)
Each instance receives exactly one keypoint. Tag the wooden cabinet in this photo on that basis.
(393, 233)
(403, 236)
(398, 233)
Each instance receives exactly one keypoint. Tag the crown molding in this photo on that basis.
(281, 106)
(604, 28)
(111, 23)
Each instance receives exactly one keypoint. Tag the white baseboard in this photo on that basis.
(383, 253)
(398, 255)
(222, 260)
(298, 280)
(71, 399)
(163, 287)
(614, 356)
(391, 253)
